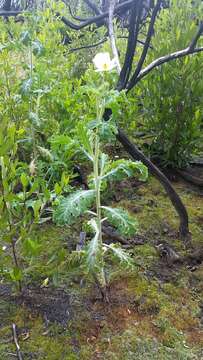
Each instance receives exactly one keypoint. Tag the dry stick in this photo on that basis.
(15, 339)
(112, 35)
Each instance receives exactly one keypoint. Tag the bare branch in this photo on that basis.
(78, 18)
(196, 37)
(92, 6)
(88, 46)
(98, 20)
(147, 43)
(132, 41)
(10, 13)
(112, 35)
(163, 60)
(173, 56)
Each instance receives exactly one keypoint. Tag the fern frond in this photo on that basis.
(124, 223)
(73, 206)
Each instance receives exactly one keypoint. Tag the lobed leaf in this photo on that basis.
(73, 206)
(125, 224)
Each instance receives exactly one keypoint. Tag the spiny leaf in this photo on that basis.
(73, 206)
(94, 247)
(125, 224)
(119, 169)
(85, 139)
(26, 86)
(45, 153)
(120, 254)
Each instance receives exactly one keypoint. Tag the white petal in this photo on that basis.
(100, 59)
(113, 64)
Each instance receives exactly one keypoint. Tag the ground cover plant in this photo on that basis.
(97, 258)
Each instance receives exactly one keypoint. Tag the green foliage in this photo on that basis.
(171, 95)
(125, 224)
(73, 206)
(90, 138)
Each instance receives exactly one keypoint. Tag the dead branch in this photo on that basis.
(92, 6)
(97, 20)
(88, 46)
(135, 18)
(147, 42)
(165, 59)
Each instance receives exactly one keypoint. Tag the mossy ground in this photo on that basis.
(154, 311)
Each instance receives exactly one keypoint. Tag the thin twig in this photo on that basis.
(88, 46)
(15, 339)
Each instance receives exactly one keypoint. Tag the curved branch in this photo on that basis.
(98, 20)
(10, 13)
(88, 46)
(92, 6)
(78, 18)
(173, 56)
(175, 199)
(131, 45)
(147, 42)
(163, 60)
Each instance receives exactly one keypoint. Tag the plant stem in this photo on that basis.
(101, 281)
(97, 186)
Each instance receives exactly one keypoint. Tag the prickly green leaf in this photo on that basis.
(26, 86)
(120, 254)
(24, 180)
(45, 153)
(120, 169)
(37, 48)
(85, 138)
(73, 206)
(94, 247)
(125, 224)
(25, 37)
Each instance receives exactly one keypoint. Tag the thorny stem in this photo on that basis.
(30, 106)
(97, 178)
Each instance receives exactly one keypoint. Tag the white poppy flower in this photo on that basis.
(103, 62)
